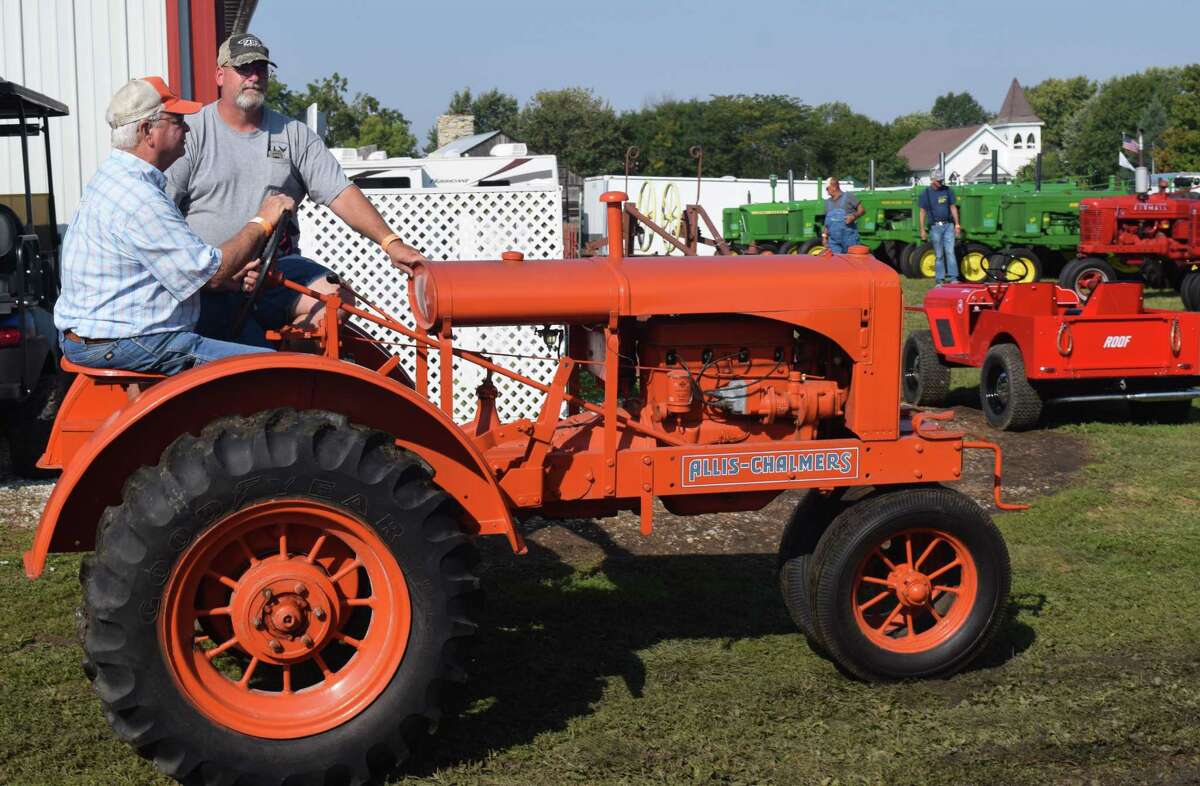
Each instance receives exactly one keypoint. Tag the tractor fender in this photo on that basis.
(138, 434)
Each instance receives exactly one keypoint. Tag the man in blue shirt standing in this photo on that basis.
(939, 215)
(132, 269)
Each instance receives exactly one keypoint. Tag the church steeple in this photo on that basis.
(1016, 108)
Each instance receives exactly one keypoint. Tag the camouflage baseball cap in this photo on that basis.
(242, 48)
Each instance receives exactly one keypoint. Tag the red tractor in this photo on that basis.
(283, 573)
(1156, 235)
(1038, 344)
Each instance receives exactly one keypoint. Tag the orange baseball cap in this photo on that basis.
(141, 98)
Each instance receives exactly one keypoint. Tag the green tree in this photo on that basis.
(957, 109)
(1181, 139)
(576, 125)
(1093, 137)
(350, 123)
(848, 142)
(1056, 101)
(492, 110)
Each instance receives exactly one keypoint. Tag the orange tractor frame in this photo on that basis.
(283, 568)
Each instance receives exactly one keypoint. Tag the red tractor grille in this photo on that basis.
(1089, 226)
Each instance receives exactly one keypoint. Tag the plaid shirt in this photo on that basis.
(130, 263)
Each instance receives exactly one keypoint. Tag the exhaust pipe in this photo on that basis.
(1166, 395)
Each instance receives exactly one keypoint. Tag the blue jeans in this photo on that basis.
(942, 238)
(154, 353)
(274, 308)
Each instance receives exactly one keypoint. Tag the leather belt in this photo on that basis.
(71, 336)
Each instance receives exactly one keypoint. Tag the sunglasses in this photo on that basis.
(257, 67)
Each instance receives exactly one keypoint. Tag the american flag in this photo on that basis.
(1130, 144)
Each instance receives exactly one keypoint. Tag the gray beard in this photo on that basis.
(249, 100)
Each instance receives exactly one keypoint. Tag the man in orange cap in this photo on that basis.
(132, 269)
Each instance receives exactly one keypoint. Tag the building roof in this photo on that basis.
(983, 171)
(1016, 108)
(922, 150)
(462, 145)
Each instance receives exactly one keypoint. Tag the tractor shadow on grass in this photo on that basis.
(553, 635)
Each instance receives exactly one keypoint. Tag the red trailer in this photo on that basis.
(1156, 235)
(1037, 344)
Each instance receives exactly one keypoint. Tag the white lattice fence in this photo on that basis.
(449, 225)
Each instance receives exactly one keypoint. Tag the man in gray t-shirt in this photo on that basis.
(237, 151)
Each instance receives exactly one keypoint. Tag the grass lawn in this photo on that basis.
(599, 667)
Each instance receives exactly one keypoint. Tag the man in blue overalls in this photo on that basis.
(939, 214)
(841, 211)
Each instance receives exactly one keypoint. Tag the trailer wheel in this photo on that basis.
(1008, 401)
(910, 583)
(279, 599)
(923, 261)
(1084, 275)
(924, 376)
(813, 247)
(808, 522)
(974, 263)
(1189, 291)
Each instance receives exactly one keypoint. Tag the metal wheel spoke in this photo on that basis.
(948, 566)
(929, 607)
(873, 580)
(368, 602)
(909, 619)
(283, 551)
(215, 651)
(324, 666)
(346, 571)
(316, 549)
(244, 682)
(287, 678)
(908, 549)
(889, 619)
(353, 642)
(213, 612)
(228, 582)
(891, 565)
(926, 552)
(247, 552)
(874, 600)
(940, 588)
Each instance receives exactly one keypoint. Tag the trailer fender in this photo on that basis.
(93, 478)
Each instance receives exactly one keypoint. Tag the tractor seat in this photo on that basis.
(112, 376)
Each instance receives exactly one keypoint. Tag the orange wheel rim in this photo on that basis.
(285, 619)
(915, 590)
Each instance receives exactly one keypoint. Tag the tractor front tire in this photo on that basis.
(1008, 401)
(923, 261)
(1084, 275)
(903, 255)
(910, 583)
(278, 600)
(973, 264)
(814, 247)
(924, 376)
(1023, 266)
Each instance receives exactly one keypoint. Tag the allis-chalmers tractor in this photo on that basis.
(1038, 344)
(283, 569)
(1157, 235)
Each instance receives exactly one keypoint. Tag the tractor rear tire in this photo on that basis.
(1008, 401)
(313, 558)
(1189, 291)
(910, 583)
(813, 247)
(973, 262)
(1024, 266)
(903, 253)
(924, 376)
(1083, 275)
(923, 261)
(808, 522)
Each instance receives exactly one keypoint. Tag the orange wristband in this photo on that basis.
(388, 240)
(264, 224)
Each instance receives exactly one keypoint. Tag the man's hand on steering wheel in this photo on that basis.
(247, 278)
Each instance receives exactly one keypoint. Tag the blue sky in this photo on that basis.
(882, 58)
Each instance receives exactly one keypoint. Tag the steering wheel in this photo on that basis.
(1011, 270)
(269, 254)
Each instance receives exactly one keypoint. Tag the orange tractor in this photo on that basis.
(283, 569)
